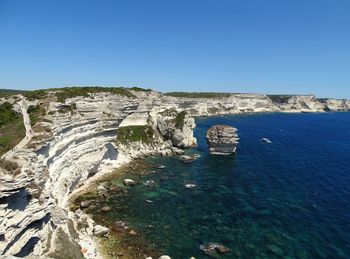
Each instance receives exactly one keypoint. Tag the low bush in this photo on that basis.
(10, 166)
(135, 133)
(71, 92)
(169, 112)
(36, 94)
(9, 92)
(7, 115)
(36, 113)
(180, 120)
(198, 94)
(12, 130)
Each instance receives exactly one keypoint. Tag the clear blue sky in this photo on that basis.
(265, 46)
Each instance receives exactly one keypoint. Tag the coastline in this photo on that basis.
(123, 163)
(81, 150)
(94, 247)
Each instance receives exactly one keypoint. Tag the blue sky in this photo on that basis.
(264, 46)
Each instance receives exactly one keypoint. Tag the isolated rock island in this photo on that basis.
(222, 139)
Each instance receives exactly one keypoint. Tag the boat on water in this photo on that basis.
(266, 140)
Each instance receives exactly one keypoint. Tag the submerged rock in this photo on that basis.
(149, 183)
(222, 139)
(214, 248)
(106, 208)
(133, 232)
(101, 190)
(190, 185)
(129, 182)
(85, 204)
(187, 159)
(100, 230)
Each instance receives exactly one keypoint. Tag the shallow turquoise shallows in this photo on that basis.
(287, 199)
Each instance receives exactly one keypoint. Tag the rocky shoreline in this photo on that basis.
(77, 143)
(119, 239)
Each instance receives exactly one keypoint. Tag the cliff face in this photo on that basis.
(74, 145)
(77, 140)
(175, 127)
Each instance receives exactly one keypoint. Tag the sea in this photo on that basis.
(286, 199)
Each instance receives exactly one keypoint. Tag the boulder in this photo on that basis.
(133, 232)
(106, 208)
(213, 249)
(129, 182)
(100, 230)
(222, 139)
(187, 159)
(150, 183)
(85, 204)
(101, 190)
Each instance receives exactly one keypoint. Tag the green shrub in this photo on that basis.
(9, 92)
(169, 112)
(139, 89)
(67, 108)
(36, 94)
(71, 92)
(180, 120)
(198, 94)
(12, 130)
(36, 113)
(7, 115)
(135, 133)
(10, 166)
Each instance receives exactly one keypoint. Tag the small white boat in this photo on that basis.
(187, 159)
(266, 140)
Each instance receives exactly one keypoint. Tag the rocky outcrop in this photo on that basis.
(222, 139)
(175, 127)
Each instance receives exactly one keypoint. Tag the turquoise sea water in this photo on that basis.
(287, 199)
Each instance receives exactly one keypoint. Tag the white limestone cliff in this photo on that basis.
(78, 144)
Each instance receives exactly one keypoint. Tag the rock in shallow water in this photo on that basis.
(187, 159)
(222, 139)
(85, 204)
(213, 249)
(129, 182)
(100, 230)
(190, 185)
(106, 208)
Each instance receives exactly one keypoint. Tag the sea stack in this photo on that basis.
(222, 139)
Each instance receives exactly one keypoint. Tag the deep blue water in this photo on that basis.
(287, 199)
